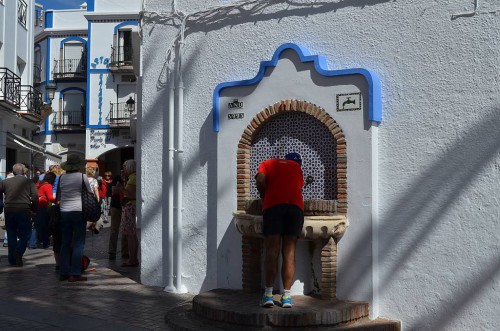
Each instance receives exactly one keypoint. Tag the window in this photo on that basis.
(37, 67)
(125, 46)
(21, 12)
(38, 16)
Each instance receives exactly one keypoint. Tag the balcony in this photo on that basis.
(68, 120)
(70, 69)
(122, 59)
(37, 74)
(30, 103)
(10, 89)
(119, 115)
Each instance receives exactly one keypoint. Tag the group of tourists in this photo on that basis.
(49, 206)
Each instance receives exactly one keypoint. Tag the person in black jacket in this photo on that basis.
(21, 200)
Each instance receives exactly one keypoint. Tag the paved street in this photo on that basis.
(32, 297)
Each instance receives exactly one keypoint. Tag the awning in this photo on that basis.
(25, 143)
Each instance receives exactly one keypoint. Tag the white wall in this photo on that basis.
(73, 19)
(102, 6)
(439, 165)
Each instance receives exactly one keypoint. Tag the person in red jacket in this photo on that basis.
(45, 198)
(280, 183)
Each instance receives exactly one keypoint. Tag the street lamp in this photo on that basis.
(50, 89)
(130, 104)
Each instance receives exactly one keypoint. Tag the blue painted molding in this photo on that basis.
(47, 132)
(89, 36)
(320, 64)
(90, 5)
(124, 24)
(73, 38)
(47, 77)
(99, 71)
(49, 19)
(102, 126)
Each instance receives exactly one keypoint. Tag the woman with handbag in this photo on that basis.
(73, 224)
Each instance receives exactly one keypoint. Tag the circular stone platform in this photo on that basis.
(238, 307)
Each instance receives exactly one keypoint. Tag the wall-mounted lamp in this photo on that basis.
(50, 89)
(130, 104)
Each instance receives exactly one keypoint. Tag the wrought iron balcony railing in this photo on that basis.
(121, 58)
(10, 88)
(119, 115)
(70, 69)
(68, 120)
(31, 102)
(37, 74)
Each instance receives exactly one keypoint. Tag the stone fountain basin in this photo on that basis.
(314, 226)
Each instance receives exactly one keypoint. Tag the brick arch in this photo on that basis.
(245, 178)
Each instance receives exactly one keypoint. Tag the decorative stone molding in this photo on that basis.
(315, 227)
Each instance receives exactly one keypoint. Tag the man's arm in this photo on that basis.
(34, 196)
(261, 183)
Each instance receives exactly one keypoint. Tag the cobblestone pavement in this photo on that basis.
(32, 297)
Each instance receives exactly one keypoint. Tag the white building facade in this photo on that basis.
(20, 101)
(89, 53)
(412, 89)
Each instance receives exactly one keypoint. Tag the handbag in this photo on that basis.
(91, 209)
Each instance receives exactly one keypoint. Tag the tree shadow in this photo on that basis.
(419, 211)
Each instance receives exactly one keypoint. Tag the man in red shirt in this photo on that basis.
(280, 183)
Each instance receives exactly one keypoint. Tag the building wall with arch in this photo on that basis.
(430, 257)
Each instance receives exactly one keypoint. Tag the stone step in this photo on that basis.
(229, 309)
(182, 318)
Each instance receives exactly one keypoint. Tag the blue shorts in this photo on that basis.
(284, 219)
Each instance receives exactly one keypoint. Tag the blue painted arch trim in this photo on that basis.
(65, 40)
(320, 64)
(122, 24)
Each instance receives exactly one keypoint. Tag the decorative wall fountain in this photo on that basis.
(298, 126)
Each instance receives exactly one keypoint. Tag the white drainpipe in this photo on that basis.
(179, 169)
(170, 244)
(175, 169)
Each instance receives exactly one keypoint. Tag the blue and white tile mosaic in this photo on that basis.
(306, 135)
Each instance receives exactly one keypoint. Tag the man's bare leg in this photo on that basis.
(272, 244)
(288, 267)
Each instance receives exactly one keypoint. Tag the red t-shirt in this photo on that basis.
(284, 181)
(45, 195)
(102, 190)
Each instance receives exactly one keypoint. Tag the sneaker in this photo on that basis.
(267, 300)
(286, 301)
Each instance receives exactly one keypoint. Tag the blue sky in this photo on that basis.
(60, 4)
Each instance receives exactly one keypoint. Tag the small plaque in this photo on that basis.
(235, 116)
(349, 101)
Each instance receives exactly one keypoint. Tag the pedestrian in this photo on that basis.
(128, 221)
(93, 226)
(107, 180)
(280, 182)
(21, 199)
(116, 214)
(45, 199)
(72, 222)
(102, 196)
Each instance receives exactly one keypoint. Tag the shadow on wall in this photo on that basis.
(421, 209)
(229, 16)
